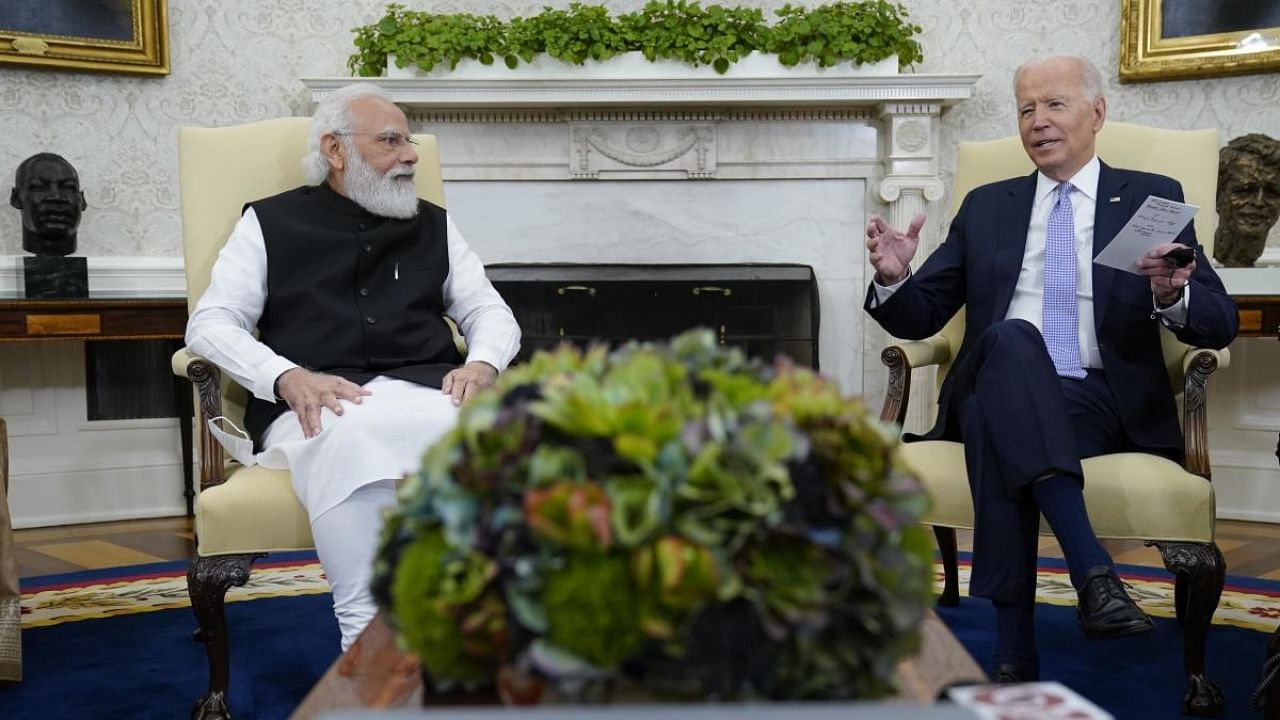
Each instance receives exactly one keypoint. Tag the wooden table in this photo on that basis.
(1259, 315)
(23, 320)
(374, 674)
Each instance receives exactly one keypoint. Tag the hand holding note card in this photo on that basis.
(1158, 221)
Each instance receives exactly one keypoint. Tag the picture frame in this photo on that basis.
(1181, 39)
(118, 36)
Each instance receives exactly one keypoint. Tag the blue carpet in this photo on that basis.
(1139, 677)
(146, 665)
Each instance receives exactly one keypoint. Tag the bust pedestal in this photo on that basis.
(55, 276)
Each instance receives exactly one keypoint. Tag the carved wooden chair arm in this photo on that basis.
(205, 376)
(901, 358)
(1198, 364)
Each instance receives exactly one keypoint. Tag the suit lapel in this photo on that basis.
(1011, 242)
(1108, 218)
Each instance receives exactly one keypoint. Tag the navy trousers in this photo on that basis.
(1020, 422)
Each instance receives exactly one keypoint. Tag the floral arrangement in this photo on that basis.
(678, 515)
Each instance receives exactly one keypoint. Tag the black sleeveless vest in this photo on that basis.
(351, 293)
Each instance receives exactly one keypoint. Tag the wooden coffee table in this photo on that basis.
(374, 673)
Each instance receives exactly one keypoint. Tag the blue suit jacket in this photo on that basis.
(978, 266)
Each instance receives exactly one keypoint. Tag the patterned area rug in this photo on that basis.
(53, 600)
(1246, 603)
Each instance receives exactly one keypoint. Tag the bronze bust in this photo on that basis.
(1248, 198)
(46, 189)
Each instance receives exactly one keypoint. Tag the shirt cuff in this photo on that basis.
(884, 292)
(264, 386)
(491, 355)
(1174, 316)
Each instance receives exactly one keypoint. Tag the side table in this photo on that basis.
(117, 318)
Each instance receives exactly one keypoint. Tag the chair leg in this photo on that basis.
(1180, 599)
(946, 538)
(1204, 570)
(208, 579)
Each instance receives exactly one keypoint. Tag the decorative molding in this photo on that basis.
(1263, 516)
(112, 276)
(419, 117)
(892, 188)
(912, 135)
(1257, 422)
(642, 148)
(435, 96)
(1244, 460)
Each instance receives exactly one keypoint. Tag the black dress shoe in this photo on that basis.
(1105, 609)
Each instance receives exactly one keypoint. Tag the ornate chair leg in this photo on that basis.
(208, 579)
(1204, 570)
(946, 538)
(1180, 599)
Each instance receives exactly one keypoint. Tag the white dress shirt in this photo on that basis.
(1027, 302)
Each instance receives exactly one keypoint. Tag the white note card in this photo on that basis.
(1039, 700)
(1158, 221)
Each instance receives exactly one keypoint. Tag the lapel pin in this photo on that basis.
(1115, 199)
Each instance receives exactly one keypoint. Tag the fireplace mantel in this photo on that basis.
(657, 94)
(719, 171)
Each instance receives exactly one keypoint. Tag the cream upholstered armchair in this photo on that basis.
(1128, 495)
(241, 513)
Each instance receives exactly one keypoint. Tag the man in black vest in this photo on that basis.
(354, 371)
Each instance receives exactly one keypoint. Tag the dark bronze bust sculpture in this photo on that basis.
(46, 189)
(1248, 198)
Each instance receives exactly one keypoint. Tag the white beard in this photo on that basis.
(385, 195)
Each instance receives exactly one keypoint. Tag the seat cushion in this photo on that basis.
(254, 511)
(1128, 495)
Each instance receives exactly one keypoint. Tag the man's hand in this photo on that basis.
(307, 392)
(890, 250)
(1167, 281)
(463, 382)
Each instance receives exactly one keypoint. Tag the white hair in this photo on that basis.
(333, 115)
(1090, 78)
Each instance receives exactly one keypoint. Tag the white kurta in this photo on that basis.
(385, 435)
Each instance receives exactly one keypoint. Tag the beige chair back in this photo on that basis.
(1189, 156)
(222, 169)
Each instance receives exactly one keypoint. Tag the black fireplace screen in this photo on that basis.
(765, 309)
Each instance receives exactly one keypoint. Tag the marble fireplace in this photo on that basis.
(722, 171)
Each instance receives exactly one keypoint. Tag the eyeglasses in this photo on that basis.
(391, 140)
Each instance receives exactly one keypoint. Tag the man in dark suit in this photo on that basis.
(1061, 358)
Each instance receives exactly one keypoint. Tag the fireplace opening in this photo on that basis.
(764, 309)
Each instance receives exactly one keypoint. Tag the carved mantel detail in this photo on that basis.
(620, 148)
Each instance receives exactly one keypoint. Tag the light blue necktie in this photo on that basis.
(1060, 323)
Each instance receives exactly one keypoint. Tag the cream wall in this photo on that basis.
(240, 60)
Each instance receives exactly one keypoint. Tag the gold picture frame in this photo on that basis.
(119, 36)
(1180, 39)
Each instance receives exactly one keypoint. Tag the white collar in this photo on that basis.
(1085, 180)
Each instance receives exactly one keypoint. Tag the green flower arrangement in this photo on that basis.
(677, 515)
(856, 31)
